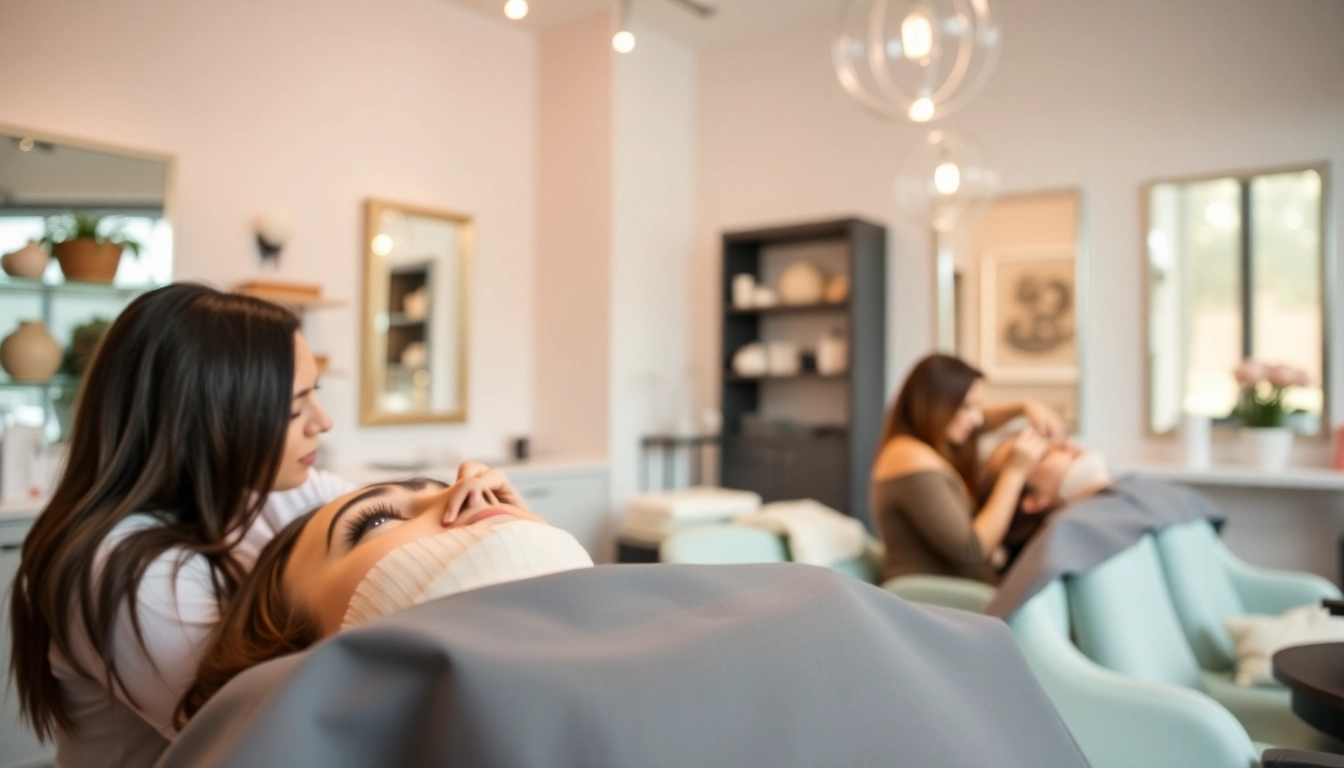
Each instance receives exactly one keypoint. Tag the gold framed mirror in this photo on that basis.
(417, 269)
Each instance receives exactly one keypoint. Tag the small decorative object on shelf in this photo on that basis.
(837, 289)
(764, 297)
(744, 291)
(29, 261)
(273, 229)
(802, 283)
(30, 354)
(833, 354)
(751, 360)
(88, 246)
(1196, 434)
(1261, 409)
(415, 305)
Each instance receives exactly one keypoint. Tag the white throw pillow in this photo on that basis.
(1258, 638)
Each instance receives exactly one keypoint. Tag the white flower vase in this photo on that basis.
(1271, 447)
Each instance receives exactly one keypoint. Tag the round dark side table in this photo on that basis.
(1315, 675)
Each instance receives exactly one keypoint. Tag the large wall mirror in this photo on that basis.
(417, 267)
(1016, 298)
(1236, 271)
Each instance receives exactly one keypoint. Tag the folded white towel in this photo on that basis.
(817, 534)
(702, 504)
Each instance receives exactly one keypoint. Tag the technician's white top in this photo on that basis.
(177, 612)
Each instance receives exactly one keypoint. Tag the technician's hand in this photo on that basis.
(1045, 421)
(496, 483)
(1029, 448)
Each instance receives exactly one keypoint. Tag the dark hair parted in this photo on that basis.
(259, 624)
(929, 399)
(182, 416)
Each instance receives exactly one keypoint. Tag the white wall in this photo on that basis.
(1092, 95)
(653, 163)
(315, 106)
(574, 239)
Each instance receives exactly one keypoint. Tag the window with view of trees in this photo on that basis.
(1235, 272)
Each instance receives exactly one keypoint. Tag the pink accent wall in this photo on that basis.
(315, 106)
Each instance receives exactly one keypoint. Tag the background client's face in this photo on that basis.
(346, 538)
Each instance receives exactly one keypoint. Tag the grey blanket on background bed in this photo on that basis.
(1087, 534)
(629, 666)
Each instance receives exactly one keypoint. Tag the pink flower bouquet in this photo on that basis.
(1262, 390)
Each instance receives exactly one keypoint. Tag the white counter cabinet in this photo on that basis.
(18, 745)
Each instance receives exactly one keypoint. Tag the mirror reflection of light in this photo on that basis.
(947, 178)
(515, 9)
(382, 244)
(916, 36)
(921, 110)
(1220, 213)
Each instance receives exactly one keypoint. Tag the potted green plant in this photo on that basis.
(88, 246)
(1261, 409)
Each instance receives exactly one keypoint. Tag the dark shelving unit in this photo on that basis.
(832, 464)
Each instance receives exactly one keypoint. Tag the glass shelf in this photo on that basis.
(37, 287)
(60, 381)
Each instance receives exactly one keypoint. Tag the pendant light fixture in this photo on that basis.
(915, 60)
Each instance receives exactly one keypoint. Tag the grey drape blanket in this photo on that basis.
(630, 666)
(1086, 534)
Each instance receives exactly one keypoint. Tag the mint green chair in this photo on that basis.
(1119, 721)
(1124, 619)
(725, 543)
(1208, 584)
(947, 591)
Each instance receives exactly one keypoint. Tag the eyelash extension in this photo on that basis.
(366, 520)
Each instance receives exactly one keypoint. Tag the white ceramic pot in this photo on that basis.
(744, 290)
(30, 354)
(1271, 447)
(832, 355)
(1197, 438)
(751, 360)
(29, 261)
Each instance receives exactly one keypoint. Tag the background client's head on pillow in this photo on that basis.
(375, 551)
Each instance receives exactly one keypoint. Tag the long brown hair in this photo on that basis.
(929, 399)
(182, 416)
(260, 624)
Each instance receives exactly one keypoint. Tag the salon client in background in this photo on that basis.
(927, 466)
(193, 444)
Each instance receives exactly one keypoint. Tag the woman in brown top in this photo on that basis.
(927, 465)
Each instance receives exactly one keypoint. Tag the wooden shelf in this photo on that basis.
(789, 309)
(1246, 476)
(399, 320)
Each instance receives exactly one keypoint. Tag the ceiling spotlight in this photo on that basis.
(623, 41)
(515, 9)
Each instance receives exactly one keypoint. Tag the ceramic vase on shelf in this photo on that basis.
(30, 354)
(29, 261)
(1271, 447)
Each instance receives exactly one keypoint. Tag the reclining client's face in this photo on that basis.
(1065, 474)
(388, 546)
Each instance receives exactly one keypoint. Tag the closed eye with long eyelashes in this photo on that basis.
(367, 519)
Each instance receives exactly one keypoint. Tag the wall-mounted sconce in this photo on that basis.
(273, 229)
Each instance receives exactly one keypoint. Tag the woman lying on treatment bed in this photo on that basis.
(561, 664)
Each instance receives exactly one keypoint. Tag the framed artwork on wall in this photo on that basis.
(1028, 318)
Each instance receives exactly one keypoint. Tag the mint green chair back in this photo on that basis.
(723, 544)
(1124, 620)
(1117, 721)
(1201, 591)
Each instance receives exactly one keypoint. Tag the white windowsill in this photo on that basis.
(1245, 476)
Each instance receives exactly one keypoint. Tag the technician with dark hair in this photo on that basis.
(927, 465)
